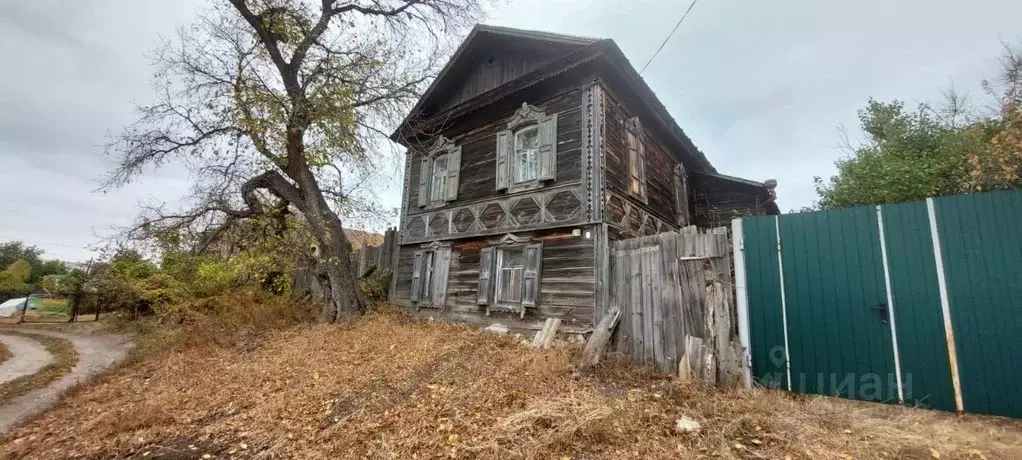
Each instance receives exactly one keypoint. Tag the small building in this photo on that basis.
(526, 157)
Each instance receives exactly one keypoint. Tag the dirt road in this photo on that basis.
(96, 353)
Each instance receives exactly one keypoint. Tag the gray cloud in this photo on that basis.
(761, 87)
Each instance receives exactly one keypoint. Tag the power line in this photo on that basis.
(668, 36)
(40, 243)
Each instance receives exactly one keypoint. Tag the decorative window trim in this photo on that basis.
(490, 274)
(637, 165)
(441, 147)
(430, 275)
(546, 156)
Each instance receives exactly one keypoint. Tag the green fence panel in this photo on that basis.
(766, 326)
(925, 369)
(981, 242)
(839, 343)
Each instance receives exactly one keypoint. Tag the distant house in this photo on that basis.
(527, 156)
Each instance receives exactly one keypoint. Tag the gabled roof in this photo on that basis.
(570, 48)
(473, 40)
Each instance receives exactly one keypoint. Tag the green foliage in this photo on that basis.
(14, 280)
(911, 155)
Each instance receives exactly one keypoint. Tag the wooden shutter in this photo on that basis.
(681, 195)
(503, 158)
(424, 181)
(453, 172)
(642, 165)
(417, 277)
(441, 268)
(485, 288)
(531, 274)
(548, 147)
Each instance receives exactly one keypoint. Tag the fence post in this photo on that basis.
(945, 305)
(742, 299)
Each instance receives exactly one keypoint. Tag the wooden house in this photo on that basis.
(526, 157)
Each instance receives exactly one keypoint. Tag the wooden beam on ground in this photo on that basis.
(545, 337)
(598, 341)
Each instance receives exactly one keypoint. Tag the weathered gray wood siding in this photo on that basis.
(567, 287)
(660, 165)
(493, 70)
(718, 200)
(478, 153)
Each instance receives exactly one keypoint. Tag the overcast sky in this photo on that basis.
(760, 87)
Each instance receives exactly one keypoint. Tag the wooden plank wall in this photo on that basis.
(672, 286)
(479, 146)
(659, 163)
(567, 287)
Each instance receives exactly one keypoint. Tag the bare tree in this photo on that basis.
(280, 106)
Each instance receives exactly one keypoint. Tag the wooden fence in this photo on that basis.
(674, 291)
(366, 260)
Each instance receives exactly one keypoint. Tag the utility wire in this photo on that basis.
(675, 29)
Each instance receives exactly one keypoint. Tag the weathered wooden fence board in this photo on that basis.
(662, 284)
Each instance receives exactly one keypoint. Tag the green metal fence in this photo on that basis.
(915, 303)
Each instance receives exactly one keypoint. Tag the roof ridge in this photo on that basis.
(538, 34)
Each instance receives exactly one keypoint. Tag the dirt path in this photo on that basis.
(96, 353)
(27, 357)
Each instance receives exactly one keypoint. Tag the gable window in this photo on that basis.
(429, 276)
(509, 275)
(526, 161)
(438, 173)
(527, 150)
(636, 159)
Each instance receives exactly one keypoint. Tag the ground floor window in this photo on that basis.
(429, 275)
(509, 276)
(510, 267)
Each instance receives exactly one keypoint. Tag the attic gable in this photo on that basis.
(489, 57)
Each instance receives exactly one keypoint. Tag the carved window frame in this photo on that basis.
(442, 147)
(527, 116)
(636, 160)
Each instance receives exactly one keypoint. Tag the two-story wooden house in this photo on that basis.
(530, 153)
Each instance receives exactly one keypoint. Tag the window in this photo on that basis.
(429, 275)
(636, 159)
(513, 266)
(527, 150)
(438, 173)
(429, 257)
(526, 155)
(438, 190)
(510, 266)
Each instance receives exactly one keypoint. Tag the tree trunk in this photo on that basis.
(344, 298)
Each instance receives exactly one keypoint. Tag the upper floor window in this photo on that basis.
(438, 173)
(527, 150)
(636, 159)
(526, 161)
(438, 190)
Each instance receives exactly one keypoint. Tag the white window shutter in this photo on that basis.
(503, 158)
(417, 277)
(531, 274)
(485, 288)
(425, 175)
(453, 172)
(548, 147)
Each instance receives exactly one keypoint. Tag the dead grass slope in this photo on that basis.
(392, 387)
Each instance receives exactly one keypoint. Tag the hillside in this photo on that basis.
(391, 386)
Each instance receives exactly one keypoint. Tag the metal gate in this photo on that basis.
(918, 303)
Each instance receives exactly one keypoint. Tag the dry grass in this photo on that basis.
(5, 354)
(390, 386)
(64, 358)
